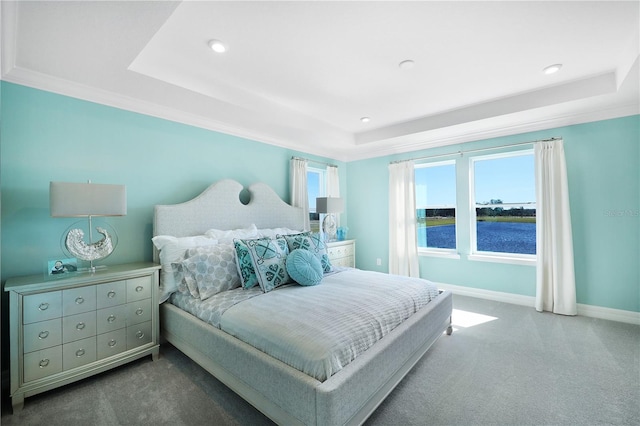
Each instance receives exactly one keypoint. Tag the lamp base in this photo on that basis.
(92, 269)
(73, 242)
(329, 227)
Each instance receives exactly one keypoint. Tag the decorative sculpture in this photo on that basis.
(93, 251)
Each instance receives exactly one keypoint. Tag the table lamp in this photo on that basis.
(88, 200)
(329, 206)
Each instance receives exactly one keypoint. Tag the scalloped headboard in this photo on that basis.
(219, 207)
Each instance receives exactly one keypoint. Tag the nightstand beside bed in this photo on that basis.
(342, 253)
(65, 329)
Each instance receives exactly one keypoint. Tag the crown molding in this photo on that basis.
(479, 131)
(466, 132)
(48, 83)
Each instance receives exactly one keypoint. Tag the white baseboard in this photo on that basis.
(619, 315)
(592, 311)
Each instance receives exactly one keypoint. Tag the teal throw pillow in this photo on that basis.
(304, 267)
(244, 264)
(269, 261)
(313, 243)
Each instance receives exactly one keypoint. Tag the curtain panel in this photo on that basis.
(555, 275)
(299, 191)
(403, 240)
(333, 186)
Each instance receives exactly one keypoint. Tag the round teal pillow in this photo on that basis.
(304, 267)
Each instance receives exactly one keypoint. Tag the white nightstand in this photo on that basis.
(342, 253)
(67, 329)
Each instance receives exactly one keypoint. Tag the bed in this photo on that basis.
(284, 393)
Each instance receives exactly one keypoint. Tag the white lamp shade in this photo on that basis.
(87, 199)
(329, 205)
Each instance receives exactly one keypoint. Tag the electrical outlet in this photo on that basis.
(379, 262)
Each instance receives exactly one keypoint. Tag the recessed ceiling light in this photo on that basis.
(365, 119)
(217, 46)
(552, 69)
(407, 64)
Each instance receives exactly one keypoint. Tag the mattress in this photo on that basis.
(317, 330)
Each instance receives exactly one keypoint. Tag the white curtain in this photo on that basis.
(333, 186)
(333, 182)
(403, 240)
(299, 191)
(555, 276)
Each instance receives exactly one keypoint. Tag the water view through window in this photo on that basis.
(505, 203)
(502, 196)
(436, 204)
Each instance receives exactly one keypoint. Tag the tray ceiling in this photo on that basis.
(302, 74)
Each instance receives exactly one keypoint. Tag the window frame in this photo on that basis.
(492, 256)
(436, 251)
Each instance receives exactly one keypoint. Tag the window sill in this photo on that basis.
(446, 254)
(504, 258)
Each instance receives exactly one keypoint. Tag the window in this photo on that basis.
(503, 214)
(315, 188)
(436, 205)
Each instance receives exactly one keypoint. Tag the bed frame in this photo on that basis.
(282, 393)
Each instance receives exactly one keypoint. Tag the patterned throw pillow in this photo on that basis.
(269, 261)
(304, 267)
(212, 270)
(185, 285)
(313, 243)
(172, 251)
(183, 277)
(244, 263)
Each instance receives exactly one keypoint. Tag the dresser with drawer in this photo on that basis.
(342, 253)
(69, 328)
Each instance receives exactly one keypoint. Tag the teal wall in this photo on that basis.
(604, 190)
(47, 137)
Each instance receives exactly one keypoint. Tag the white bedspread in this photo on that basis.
(320, 329)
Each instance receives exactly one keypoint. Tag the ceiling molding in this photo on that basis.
(45, 57)
(468, 132)
(75, 90)
(479, 131)
(551, 95)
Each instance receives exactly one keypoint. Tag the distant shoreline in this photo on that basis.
(452, 221)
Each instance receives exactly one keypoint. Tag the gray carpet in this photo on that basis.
(518, 367)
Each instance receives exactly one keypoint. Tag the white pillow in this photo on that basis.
(273, 232)
(227, 236)
(172, 250)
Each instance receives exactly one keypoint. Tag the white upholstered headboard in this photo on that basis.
(219, 207)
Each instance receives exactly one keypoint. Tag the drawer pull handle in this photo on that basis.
(111, 294)
(79, 300)
(111, 318)
(140, 334)
(80, 326)
(44, 363)
(139, 288)
(112, 343)
(139, 311)
(43, 335)
(79, 353)
(43, 306)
